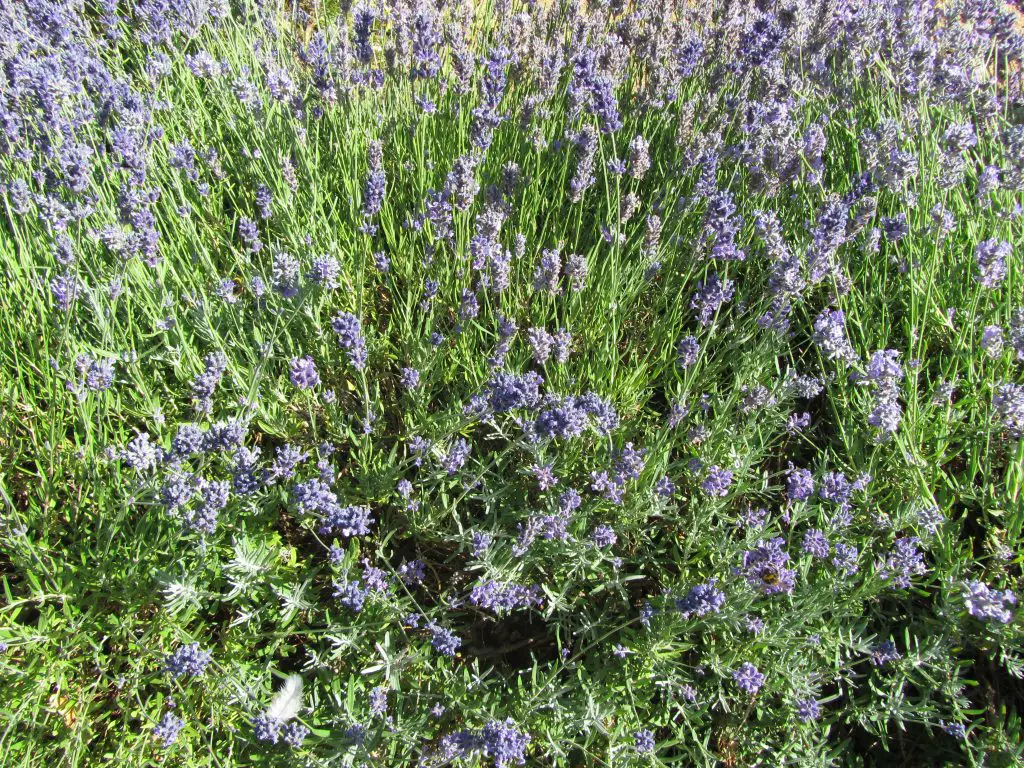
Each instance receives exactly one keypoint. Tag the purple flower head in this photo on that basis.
(295, 734)
(462, 185)
(443, 640)
(205, 384)
(540, 342)
(930, 519)
(754, 517)
(639, 160)
(363, 17)
(250, 234)
(501, 597)
(1017, 332)
(644, 742)
(701, 600)
(189, 660)
(285, 275)
(799, 483)
(409, 378)
(168, 728)
(303, 372)
(711, 294)
(748, 678)
(544, 475)
(20, 195)
(564, 418)
(762, 42)
(959, 137)
(412, 572)
(604, 536)
(481, 543)
(665, 487)
(419, 447)
(189, 441)
(895, 227)
(992, 340)
(576, 271)
(611, 486)
(545, 276)
(346, 521)
(885, 416)
(98, 375)
(835, 488)
(287, 458)
(601, 411)
(1009, 406)
(903, 562)
(569, 500)
(756, 398)
(562, 345)
(507, 392)
(884, 652)
(266, 728)
(808, 710)
(629, 463)
(379, 701)
(764, 568)
(213, 495)
(258, 287)
(845, 558)
(830, 336)
(797, 422)
(375, 578)
(351, 594)
(456, 457)
(504, 743)
(885, 364)
(991, 256)
(956, 730)
(264, 201)
(326, 272)
(688, 55)
(816, 544)
(373, 195)
(350, 337)
(604, 104)
(688, 352)
(717, 482)
(313, 496)
(676, 415)
(721, 224)
(426, 39)
(224, 436)
(355, 734)
(469, 306)
(988, 604)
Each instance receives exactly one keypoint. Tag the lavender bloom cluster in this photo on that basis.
(989, 604)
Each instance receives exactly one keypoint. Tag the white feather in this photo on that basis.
(288, 701)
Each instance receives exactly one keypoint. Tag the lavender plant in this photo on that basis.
(511, 383)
